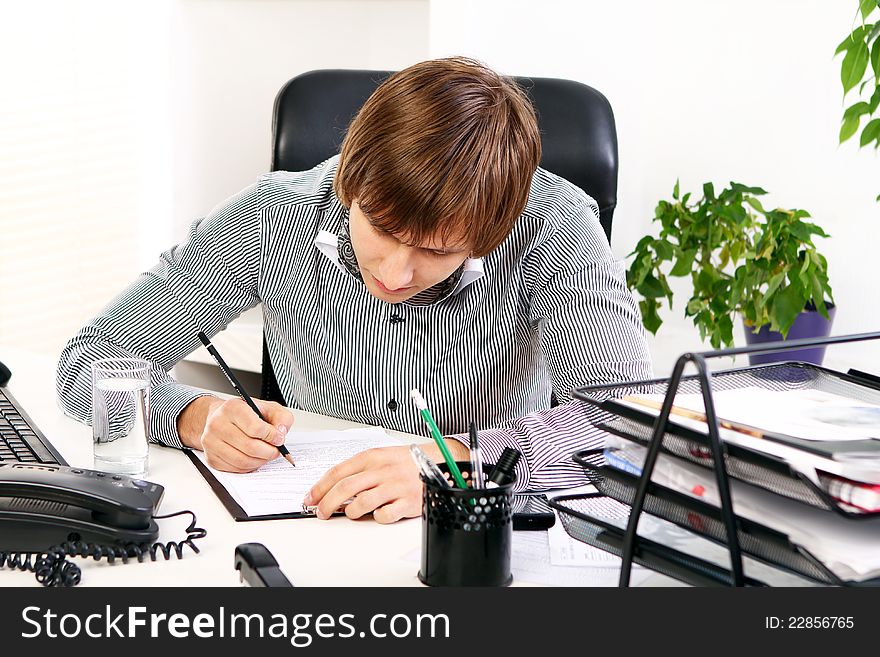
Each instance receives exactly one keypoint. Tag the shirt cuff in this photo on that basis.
(167, 401)
(492, 443)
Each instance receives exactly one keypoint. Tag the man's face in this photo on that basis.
(395, 270)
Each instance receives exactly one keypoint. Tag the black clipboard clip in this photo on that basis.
(258, 567)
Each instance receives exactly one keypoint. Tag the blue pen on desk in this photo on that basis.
(422, 405)
(477, 478)
(240, 390)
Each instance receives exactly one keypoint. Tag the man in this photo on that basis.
(432, 253)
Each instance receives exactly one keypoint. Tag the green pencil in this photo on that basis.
(438, 438)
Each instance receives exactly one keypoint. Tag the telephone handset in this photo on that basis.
(49, 512)
(42, 505)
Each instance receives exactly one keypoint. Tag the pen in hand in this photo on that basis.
(241, 392)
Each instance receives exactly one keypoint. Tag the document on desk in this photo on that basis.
(277, 489)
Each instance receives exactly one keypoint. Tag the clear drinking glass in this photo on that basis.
(121, 415)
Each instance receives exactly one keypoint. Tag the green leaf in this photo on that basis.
(866, 7)
(848, 128)
(857, 109)
(725, 329)
(651, 288)
(694, 306)
(818, 294)
(802, 231)
(641, 246)
(873, 33)
(664, 249)
(874, 103)
(755, 203)
(870, 132)
(718, 305)
(875, 59)
(675, 190)
(855, 37)
(745, 189)
(787, 305)
(650, 316)
(771, 288)
(641, 268)
(684, 263)
(853, 68)
(814, 229)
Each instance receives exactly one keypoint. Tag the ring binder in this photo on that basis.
(724, 527)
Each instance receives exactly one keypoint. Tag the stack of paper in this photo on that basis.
(849, 548)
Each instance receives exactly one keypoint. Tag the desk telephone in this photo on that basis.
(50, 512)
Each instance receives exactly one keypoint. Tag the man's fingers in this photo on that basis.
(334, 475)
(276, 414)
(221, 430)
(396, 499)
(223, 456)
(367, 500)
(345, 489)
(402, 508)
(243, 416)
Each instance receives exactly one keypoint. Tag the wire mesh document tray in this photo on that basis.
(761, 542)
(595, 519)
(780, 452)
(770, 471)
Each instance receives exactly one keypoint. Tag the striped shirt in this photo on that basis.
(547, 311)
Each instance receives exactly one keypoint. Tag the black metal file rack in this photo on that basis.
(634, 494)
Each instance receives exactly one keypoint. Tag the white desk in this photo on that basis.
(311, 552)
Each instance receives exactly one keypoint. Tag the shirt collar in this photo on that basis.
(327, 242)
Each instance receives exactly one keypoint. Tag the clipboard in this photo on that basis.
(238, 514)
(312, 445)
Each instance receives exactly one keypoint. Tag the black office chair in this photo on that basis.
(578, 138)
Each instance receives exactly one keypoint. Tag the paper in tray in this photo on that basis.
(794, 469)
(703, 518)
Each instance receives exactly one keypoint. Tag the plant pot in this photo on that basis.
(809, 324)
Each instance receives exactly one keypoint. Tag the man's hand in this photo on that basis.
(383, 480)
(232, 436)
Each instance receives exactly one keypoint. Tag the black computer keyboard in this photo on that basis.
(20, 440)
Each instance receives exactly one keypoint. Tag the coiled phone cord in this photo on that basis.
(52, 568)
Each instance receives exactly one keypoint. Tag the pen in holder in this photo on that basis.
(466, 533)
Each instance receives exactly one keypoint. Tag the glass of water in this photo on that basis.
(121, 415)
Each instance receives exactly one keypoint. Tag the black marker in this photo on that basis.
(502, 473)
(241, 393)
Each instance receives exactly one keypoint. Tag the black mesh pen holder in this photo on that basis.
(466, 533)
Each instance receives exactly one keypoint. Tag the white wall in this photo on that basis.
(232, 56)
(84, 154)
(230, 59)
(702, 90)
(706, 90)
(127, 119)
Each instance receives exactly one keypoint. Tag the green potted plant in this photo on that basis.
(861, 48)
(741, 259)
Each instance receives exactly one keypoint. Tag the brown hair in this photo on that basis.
(446, 147)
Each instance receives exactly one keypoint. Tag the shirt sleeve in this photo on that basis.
(591, 333)
(199, 285)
